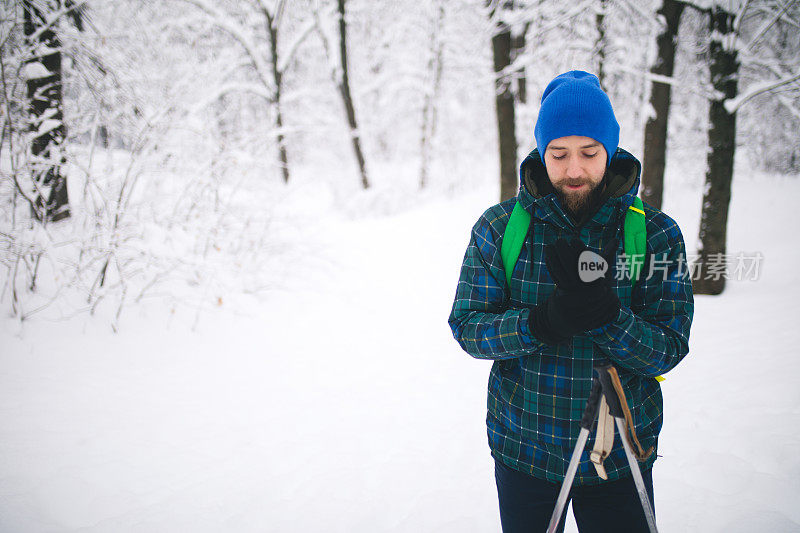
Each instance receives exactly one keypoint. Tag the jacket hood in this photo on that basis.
(537, 195)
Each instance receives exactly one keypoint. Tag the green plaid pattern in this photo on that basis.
(537, 392)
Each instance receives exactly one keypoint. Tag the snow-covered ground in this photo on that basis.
(342, 403)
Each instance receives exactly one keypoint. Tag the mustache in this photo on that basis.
(574, 183)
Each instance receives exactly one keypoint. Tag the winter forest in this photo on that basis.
(231, 230)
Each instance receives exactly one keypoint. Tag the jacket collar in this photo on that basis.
(537, 196)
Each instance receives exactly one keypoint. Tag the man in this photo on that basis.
(546, 329)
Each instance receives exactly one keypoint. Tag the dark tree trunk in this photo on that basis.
(102, 132)
(518, 48)
(46, 110)
(278, 80)
(655, 131)
(724, 70)
(601, 43)
(504, 106)
(344, 89)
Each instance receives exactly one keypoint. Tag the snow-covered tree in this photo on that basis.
(257, 30)
(34, 127)
(735, 28)
(432, 90)
(340, 72)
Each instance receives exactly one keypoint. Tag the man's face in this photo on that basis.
(576, 166)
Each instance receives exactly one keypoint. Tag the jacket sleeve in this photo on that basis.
(652, 336)
(481, 321)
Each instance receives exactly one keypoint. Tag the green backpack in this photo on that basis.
(634, 233)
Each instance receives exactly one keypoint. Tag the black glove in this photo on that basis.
(576, 305)
(566, 313)
(546, 329)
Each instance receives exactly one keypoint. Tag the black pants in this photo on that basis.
(526, 503)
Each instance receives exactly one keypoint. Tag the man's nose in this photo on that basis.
(574, 169)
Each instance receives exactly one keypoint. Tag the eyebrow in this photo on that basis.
(584, 147)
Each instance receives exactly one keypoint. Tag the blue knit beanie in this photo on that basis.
(574, 104)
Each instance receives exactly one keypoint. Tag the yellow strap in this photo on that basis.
(635, 209)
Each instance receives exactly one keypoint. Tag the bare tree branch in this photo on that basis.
(239, 34)
(768, 24)
(733, 105)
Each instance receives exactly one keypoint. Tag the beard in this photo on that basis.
(578, 203)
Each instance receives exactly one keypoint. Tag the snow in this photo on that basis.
(342, 403)
(47, 125)
(35, 70)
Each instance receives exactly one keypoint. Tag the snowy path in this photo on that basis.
(344, 404)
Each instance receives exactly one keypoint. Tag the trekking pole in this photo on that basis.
(615, 409)
(589, 414)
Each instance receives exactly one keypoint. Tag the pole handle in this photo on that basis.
(617, 405)
(612, 398)
(592, 405)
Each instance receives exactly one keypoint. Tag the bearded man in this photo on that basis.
(545, 336)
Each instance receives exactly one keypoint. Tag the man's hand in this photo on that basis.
(576, 305)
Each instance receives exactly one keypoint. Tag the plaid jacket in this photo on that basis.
(537, 392)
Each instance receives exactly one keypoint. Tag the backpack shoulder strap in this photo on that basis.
(635, 236)
(514, 238)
